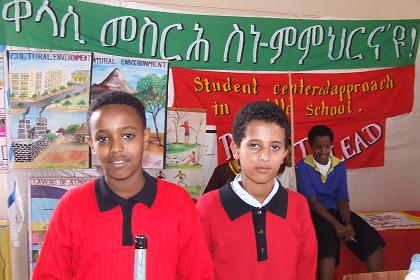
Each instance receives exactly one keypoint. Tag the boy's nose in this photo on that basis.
(326, 151)
(117, 147)
(264, 155)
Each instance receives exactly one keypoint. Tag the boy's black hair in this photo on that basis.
(320, 130)
(117, 98)
(259, 111)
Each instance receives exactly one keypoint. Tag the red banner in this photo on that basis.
(351, 96)
(354, 104)
(359, 144)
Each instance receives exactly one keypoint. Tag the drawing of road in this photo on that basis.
(49, 100)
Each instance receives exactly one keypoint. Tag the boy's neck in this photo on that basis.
(258, 191)
(126, 188)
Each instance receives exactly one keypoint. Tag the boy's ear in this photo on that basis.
(146, 137)
(90, 141)
(235, 150)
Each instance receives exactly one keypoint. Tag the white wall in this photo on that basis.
(355, 9)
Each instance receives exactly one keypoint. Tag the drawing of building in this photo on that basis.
(40, 127)
(82, 134)
(54, 79)
(24, 128)
(80, 76)
(25, 84)
(31, 141)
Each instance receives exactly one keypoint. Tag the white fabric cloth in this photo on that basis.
(249, 199)
(323, 168)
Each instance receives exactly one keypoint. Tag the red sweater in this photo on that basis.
(86, 240)
(281, 244)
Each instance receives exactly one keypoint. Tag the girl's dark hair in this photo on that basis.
(262, 111)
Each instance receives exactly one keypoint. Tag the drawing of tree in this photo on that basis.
(200, 154)
(176, 118)
(72, 128)
(67, 103)
(56, 102)
(151, 90)
(197, 131)
(81, 103)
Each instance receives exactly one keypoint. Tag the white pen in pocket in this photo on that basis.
(140, 246)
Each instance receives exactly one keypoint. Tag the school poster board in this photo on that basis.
(43, 196)
(210, 153)
(147, 79)
(49, 98)
(3, 142)
(391, 220)
(185, 149)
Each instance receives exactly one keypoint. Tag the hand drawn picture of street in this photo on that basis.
(185, 136)
(49, 94)
(43, 196)
(3, 143)
(147, 79)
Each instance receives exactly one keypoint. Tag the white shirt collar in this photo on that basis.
(247, 198)
(323, 168)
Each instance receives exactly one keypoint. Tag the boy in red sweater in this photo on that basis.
(255, 228)
(92, 228)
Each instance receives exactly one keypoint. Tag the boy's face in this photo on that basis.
(261, 153)
(118, 138)
(321, 149)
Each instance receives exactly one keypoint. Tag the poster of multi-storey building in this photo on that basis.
(49, 97)
(3, 143)
(147, 79)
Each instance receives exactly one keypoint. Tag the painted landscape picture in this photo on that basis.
(49, 94)
(185, 149)
(147, 79)
(44, 194)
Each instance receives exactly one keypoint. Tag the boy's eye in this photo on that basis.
(253, 146)
(128, 136)
(101, 139)
(275, 147)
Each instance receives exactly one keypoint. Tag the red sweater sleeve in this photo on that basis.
(202, 206)
(194, 260)
(55, 260)
(308, 249)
